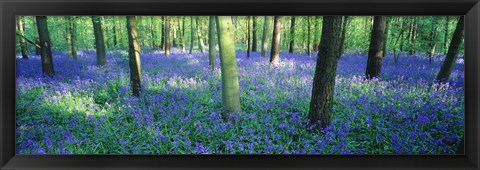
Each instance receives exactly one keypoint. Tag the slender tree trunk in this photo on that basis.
(115, 43)
(183, 34)
(375, 52)
(68, 36)
(266, 25)
(453, 51)
(275, 50)
(292, 35)
(211, 42)
(445, 44)
(321, 103)
(167, 35)
(248, 36)
(134, 56)
(385, 38)
(228, 65)
(162, 41)
(308, 36)
(38, 50)
(99, 42)
(152, 31)
(316, 33)
(432, 37)
(254, 36)
(23, 43)
(46, 56)
(344, 34)
(201, 44)
(73, 37)
(192, 35)
(400, 35)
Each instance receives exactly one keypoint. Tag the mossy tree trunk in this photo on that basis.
(211, 42)
(99, 41)
(275, 50)
(23, 43)
(452, 53)
(228, 65)
(375, 51)
(266, 25)
(321, 104)
(134, 56)
(46, 55)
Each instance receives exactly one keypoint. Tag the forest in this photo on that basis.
(239, 84)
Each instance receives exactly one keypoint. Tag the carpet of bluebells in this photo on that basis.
(86, 109)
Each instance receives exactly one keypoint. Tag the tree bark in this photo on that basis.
(266, 25)
(308, 36)
(211, 42)
(254, 34)
(228, 65)
(73, 37)
(134, 56)
(46, 56)
(167, 35)
(453, 51)
(344, 34)
(375, 51)
(292, 35)
(192, 35)
(275, 50)
(447, 21)
(99, 41)
(162, 27)
(68, 36)
(316, 33)
(23, 43)
(321, 103)
(385, 38)
(248, 36)
(201, 44)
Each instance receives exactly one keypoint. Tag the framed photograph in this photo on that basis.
(234, 84)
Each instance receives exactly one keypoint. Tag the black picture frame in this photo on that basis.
(10, 8)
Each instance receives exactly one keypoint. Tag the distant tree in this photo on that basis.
(167, 35)
(68, 36)
(152, 31)
(316, 33)
(266, 25)
(183, 34)
(399, 37)
(211, 42)
(254, 34)
(432, 40)
(453, 51)
(248, 36)
(321, 103)
(275, 50)
(345, 25)
(99, 42)
(375, 51)
(192, 35)
(115, 44)
(385, 37)
(73, 37)
(201, 44)
(228, 65)
(292, 35)
(134, 56)
(46, 56)
(308, 36)
(23, 43)
(412, 36)
(162, 41)
(446, 30)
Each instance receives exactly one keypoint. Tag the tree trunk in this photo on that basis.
(375, 51)
(192, 35)
(167, 35)
(162, 41)
(292, 35)
(321, 103)
(68, 36)
(453, 51)
(46, 56)
(211, 42)
(266, 25)
(385, 38)
(152, 31)
(254, 36)
(228, 65)
(23, 43)
(201, 44)
(248, 36)
(316, 33)
(447, 21)
(400, 35)
(73, 37)
(308, 36)
(115, 44)
(38, 50)
(432, 37)
(134, 56)
(275, 50)
(344, 34)
(99, 42)
(183, 34)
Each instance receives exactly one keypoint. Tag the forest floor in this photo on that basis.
(86, 109)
